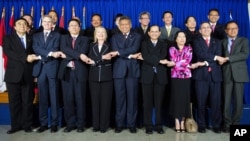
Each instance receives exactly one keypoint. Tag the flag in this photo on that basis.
(3, 58)
(12, 20)
(230, 15)
(42, 13)
(61, 22)
(83, 19)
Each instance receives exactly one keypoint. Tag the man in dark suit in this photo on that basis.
(73, 73)
(208, 77)
(46, 45)
(18, 76)
(55, 27)
(144, 19)
(218, 31)
(168, 30)
(153, 78)
(126, 71)
(235, 74)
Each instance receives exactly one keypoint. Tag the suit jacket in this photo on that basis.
(237, 60)
(17, 67)
(73, 54)
(152, 55)
(102, 69)
(123, 66)
(43, 49)
(219, 32)
(204, 53)
(164, 33)
(145, 35)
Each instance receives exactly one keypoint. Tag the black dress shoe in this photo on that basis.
(80, 130)
(202, 130)
(103, 130)
(226, 130)
(11, 131)
(118, 130)
(96, 129)
(149, 131)
(160, 131)
(53, 129)
(68, 129)
(42, 129)
(27, 130)
(132, 130)
(217, 130)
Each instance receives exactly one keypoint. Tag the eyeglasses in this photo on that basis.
(214, 15)
(232, 28)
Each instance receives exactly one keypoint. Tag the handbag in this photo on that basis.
(190, 123)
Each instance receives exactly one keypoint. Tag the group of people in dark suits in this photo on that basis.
(67, 62)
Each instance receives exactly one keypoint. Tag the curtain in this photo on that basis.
(109, 8)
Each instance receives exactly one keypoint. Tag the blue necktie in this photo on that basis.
(23, 42)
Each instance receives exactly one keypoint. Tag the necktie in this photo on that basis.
(168, 31)
(213, 26)
(73, 42)
(23, 42)
(207, 42)
(231, 47)
(45, 36)
(125, 36)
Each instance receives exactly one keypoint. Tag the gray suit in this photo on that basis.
(234, 75)
(164, 33)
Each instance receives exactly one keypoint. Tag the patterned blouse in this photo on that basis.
(182, 59)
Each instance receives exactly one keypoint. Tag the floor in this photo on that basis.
(125, 135)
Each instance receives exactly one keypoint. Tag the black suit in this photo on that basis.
(101, 86)
(154, 80)
(74, 80)
(208, 83)
(19, 80)
(126, 73)
(219, 32)
(145, 35)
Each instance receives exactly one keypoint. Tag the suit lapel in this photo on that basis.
(225, 44)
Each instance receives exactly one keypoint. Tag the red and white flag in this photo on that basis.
(12, 20)
(3, 58)
(61, 23)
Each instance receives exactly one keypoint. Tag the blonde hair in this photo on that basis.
(100, 28)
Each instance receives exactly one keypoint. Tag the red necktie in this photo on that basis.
(207, 42)
(213, 26)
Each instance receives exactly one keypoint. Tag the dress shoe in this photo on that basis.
(53, 129)
(42, 129)
(132, 130)
(27, 130)
(96, 129)
(80, 130)
(149, 131)
(118, 129)
(159, 130)
(217, 130)
(202, 130)
(103, 130)
(68, 129)
(226, 130)
(11, 131)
